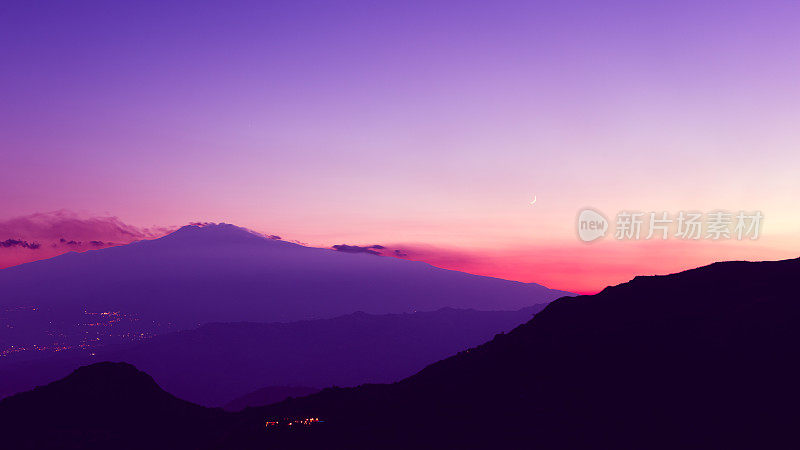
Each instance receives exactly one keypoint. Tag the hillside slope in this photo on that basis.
(705, 358)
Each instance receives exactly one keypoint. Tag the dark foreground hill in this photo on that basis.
(701, 359)
(706, 358)
(106, 405)
(219, 362)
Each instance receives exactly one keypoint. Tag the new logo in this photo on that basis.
(591, 225)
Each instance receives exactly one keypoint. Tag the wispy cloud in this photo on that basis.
(8, 243)
(52, 226)
(47, 234)
(371, 249)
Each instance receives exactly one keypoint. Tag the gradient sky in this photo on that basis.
(422, 125)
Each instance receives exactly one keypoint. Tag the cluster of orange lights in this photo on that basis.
(305, 421)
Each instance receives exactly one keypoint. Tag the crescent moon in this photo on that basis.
(534, 200)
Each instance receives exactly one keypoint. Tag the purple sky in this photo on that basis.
(432, 122)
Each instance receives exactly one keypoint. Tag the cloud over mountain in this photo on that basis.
(438, 256)
(19, 243)
(47, 234)
(371, 249)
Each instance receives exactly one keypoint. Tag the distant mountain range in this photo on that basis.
(223, 273)
(216, 363)
(267, 396)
